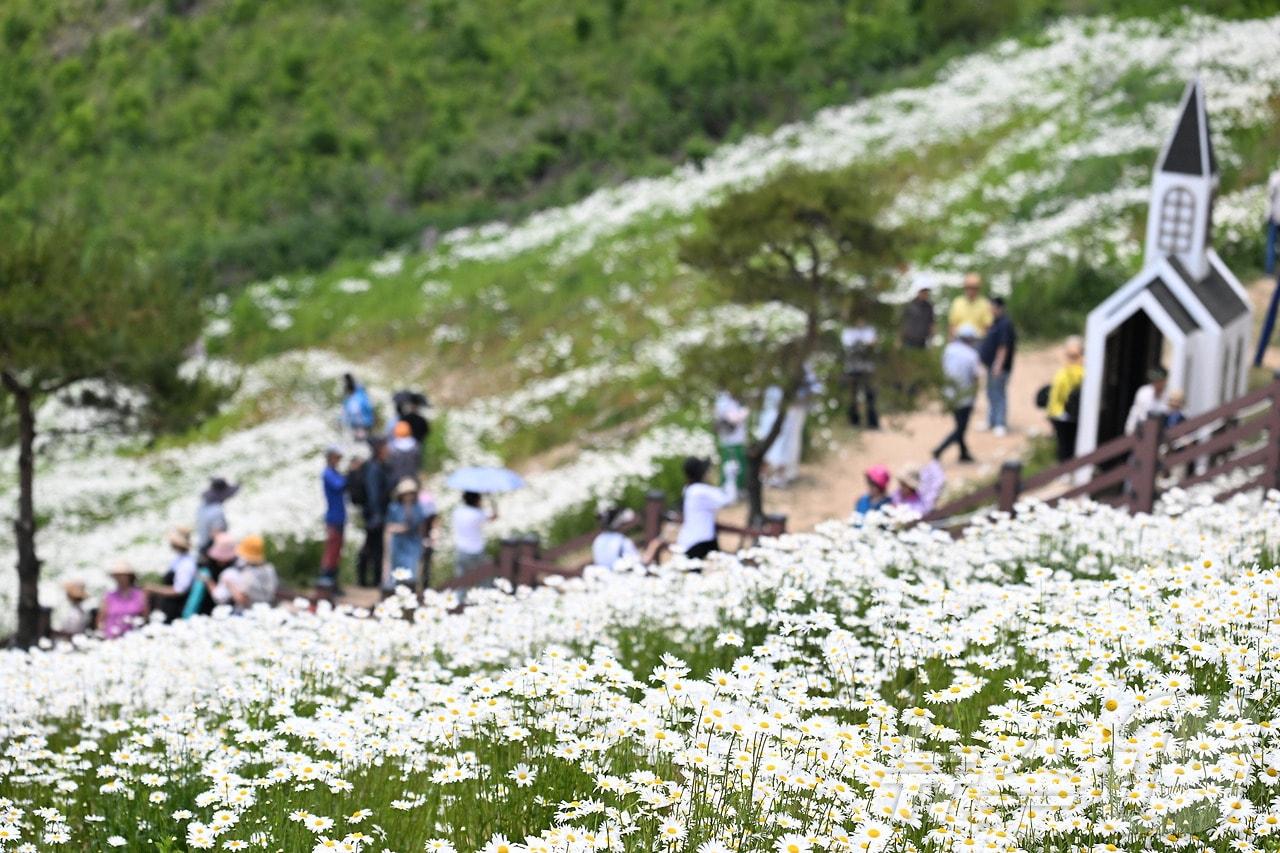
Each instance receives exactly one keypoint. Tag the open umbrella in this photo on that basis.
(484, 479)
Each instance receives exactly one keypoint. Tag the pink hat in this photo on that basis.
(223, 548)
(879, 475)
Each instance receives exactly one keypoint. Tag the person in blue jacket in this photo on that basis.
(357, 411)
(335, 516)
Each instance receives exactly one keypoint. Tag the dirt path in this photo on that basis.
(829, 486)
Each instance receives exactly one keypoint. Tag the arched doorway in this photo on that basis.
(1133, 348)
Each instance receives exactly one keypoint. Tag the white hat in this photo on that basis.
(966, 332)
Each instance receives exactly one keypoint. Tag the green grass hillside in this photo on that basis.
(244, 138)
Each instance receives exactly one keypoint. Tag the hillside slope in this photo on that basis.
(245, 138)
(577, 330)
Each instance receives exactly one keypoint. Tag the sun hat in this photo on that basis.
(402, 429)
(910, 479)
(219, 490)
(223, 549)
(252, 549)
(878, 475)
(966, 332)
(180, 537)
(122, 567)
(407, 486)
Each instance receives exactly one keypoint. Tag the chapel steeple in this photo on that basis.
(1183, 187)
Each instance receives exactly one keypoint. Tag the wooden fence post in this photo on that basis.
(528, 547)
(655, 508)
(1146, 464)
(508, 558)
(1009, 486)
(1271, 476)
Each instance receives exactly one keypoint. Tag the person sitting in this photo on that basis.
(1175, 402)
(220, 556)
(404, 540)
(919, 489)
(171, 594)
(702, 501)
(124, 607)
(877, 494)
(1149, 400)
(611, 546)
(252, 580)
(74, 619)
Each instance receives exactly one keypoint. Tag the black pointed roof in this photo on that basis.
(1189, 150)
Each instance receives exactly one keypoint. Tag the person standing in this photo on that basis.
(858, 340)
(335, 516)
(468, 522)
(357, 410)
(377, 495)
(970, 308)
(996, 353)
(960, 367)
(405, 458)
(211, 517)
(701, 503)
(731, 436)
(1063, 408)
(404, 539)
(918, 316)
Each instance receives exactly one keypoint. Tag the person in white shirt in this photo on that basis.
(1149, 400)
(960, 366)
(611, 546)
(468, 523)
(702, 502)
(731, 435)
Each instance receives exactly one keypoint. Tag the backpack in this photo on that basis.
(1071, 411)
(358, 489)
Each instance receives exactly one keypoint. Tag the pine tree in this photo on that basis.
(71, 313)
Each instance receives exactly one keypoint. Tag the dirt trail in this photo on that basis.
(829, 486)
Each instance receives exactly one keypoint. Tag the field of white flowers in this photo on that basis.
(1069, 679)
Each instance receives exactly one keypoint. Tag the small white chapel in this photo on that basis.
(1185, 311)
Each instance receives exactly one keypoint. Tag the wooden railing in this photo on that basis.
(523, 562)
(1130, 471)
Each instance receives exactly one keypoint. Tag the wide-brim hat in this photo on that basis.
(910, 479)
(407, 486)
(122, 567)
(223, 548)
(967, 332)
(180, 538)
(252, 549)
(219, 490)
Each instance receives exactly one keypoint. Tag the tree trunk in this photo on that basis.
(756, 452)
(755, 488)
(24, 528)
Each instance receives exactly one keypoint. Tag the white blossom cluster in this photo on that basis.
(1072, 678)
(1069, 82)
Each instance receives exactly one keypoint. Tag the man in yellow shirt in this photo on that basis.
(971, 307)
